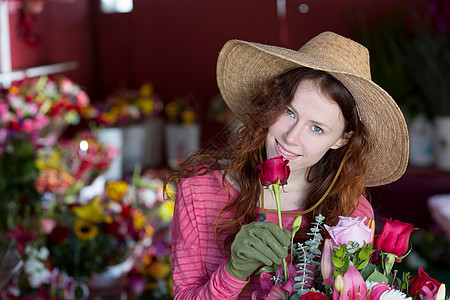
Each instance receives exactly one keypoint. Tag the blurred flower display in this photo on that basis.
(64, 224)
(33, 114)
(125, 107)
(128, 221)
(183, 110)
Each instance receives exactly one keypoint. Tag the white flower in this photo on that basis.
(148, 197)
(43, 253)
(440, 295)
(31, 265)
(370, 284)
(394, 295)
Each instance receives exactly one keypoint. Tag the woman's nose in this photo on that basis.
(293, 134)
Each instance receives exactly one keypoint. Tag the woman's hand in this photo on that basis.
(256, 244)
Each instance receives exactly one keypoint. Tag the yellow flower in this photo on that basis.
(187, 117)
(159, 270)
(166, 210)
(85, 230)
(89, 112)
(116, 190)
(146, 105)
(149, 230)
(146, 89)
(109, 117)
(51, 160)
(138, 219)
(146, 261)
(172, 110)
(92, 212)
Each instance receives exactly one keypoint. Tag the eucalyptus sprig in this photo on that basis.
(307, 255)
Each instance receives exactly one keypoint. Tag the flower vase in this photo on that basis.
(442, 134)
(181, 140)
(153, 142)
(421, 150)
(113, 137)
(133, 146)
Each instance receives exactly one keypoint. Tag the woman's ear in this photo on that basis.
(343, 140)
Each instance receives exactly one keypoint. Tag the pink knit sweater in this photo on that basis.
(198, 265)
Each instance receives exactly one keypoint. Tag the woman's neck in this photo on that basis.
(292, 195)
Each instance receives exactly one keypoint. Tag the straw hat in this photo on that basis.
(244, 67)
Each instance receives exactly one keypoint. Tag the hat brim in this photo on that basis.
(244, 67)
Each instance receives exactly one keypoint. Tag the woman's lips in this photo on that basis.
(285, 152)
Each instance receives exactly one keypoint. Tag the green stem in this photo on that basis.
(276, 192)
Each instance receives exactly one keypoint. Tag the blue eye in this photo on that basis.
(289, 112)
(317, 129)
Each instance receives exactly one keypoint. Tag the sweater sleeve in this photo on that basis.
(364, 209)
(190, 278)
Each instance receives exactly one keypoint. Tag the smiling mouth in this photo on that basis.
(284, 151)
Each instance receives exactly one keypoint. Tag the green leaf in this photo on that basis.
(367, 270)
(377, 277)
(339, 253)
(337, 262)
(364, 254)
(346, 266)
(362, 264)
(267, 269)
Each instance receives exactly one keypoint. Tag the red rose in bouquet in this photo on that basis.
(423, 284)
(394, 237)
(313, 296)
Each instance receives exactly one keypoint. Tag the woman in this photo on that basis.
(315, 107)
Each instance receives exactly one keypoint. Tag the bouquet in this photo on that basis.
(351, 263)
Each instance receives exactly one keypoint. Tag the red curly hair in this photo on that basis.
(245, 148)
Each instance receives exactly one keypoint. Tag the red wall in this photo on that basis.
(173, 43)
(65, 36)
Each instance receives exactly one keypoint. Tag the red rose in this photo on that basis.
(273, 169)
(394, 237)
(313, 296)
(422, 284)
(59, 234)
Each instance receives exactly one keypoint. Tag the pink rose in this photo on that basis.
(66, 85)
(350, 229)
(82, 99)
(274, 169)
(28, 125)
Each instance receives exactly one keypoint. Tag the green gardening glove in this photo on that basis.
(256, 244)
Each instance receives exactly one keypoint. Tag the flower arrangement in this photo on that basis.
(71, 165)
(183, 110)
(125, 107)
(33, 113)
(150, 277)
(38, 109)
(74, 240)
(353, 263)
